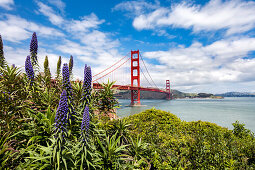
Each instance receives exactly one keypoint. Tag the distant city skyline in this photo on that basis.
(200, 46)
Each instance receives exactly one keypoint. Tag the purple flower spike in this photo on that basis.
(29, 69)
(87, 82)
(66, 80)
(68, 88)
(85, 121)
(61, 114)
(34, 44)
(34, 48)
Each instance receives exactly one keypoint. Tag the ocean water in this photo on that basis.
(223, 112)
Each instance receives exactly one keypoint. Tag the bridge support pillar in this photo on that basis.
(168, 89)
(135, 79)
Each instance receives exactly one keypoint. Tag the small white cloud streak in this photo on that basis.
(50, 13)
(7, 4)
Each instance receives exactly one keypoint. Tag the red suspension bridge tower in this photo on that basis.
(135, 78)
(168, 89)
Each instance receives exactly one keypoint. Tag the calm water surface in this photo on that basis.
(223, 112)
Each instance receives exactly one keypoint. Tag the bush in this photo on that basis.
(192, 145)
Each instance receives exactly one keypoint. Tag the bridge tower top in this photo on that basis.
(168, 90)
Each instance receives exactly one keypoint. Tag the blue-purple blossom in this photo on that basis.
(68, 88)
(29, 69)
(85, 121)
(66, 80)
(87, 83)
(34, 48)
(61, 114)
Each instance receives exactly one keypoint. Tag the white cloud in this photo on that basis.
(136, 7)
(50, 13)
(7, 4)
(220, 62)
(59, 4)
(235, 16)
(85, 24)
(15, 29)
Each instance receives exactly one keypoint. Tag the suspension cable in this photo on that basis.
(112, 70)
(111, 65)
(145, 76)
(148, 71)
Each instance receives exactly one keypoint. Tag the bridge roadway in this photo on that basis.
(129, 87)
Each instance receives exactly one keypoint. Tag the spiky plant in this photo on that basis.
(87, 84)
(47, 70)
(2, 59)
(71, 65)
(29, 70)
(66, 79)
(85, 123)
(58, 67)
(61, 114)
(67, 86)
(33, 49)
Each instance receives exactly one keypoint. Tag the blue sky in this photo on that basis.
(201, 47)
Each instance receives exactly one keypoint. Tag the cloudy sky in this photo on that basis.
(200, 47)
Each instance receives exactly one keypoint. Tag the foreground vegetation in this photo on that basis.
(51, 122)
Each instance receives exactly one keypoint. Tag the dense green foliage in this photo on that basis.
(192, 145)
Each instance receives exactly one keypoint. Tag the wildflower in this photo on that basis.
(29, 69)
(85, 121)
(61, 114)
(66, 80)
(68, 88)
(33, 49)
(87, 83)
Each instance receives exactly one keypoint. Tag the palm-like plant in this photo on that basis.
(12, 96)
(106, 102)
(137, 150)
(112, 154)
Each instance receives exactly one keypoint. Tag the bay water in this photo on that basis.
(223, 112)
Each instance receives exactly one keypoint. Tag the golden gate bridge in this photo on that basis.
(135, 77)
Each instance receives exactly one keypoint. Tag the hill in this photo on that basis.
(237, 94)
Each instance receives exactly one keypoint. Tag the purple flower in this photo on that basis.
(87, 83)
(61, 114)
(29, 69)
(33, 48)
(68, 88)
(85, 122)
(66, 80)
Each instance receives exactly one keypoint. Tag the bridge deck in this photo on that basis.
(128, 87)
